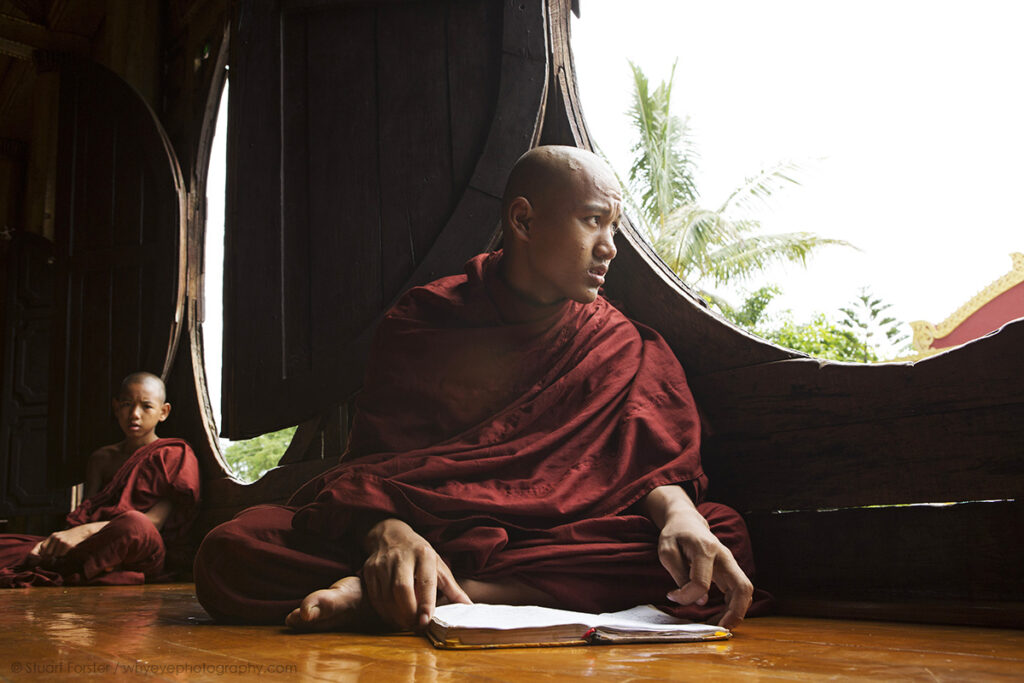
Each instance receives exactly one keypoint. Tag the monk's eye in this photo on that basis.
(615, 227)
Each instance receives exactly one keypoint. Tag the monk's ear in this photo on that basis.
(165, 411)
(520, 212)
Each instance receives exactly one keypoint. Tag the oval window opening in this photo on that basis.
(250, 459)
(754, 138)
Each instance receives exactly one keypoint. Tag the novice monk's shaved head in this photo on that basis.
(561, 210)
(147, 378)
(140, 406)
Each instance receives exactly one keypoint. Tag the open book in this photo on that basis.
(458, 626)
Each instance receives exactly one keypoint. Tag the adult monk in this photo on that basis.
(142, 494)
(517, 441)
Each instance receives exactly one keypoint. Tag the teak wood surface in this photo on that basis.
(161, 632)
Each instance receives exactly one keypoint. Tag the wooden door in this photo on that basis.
(367, 147)
(120, 219)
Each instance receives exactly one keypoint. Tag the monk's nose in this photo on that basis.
(605, 247)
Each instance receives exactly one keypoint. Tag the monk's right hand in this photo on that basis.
(403, 574)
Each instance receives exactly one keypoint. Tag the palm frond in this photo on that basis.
(739, 260)
(663, 154)
(758, 188)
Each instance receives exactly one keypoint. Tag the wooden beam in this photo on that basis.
(20, 37)
(12, 83)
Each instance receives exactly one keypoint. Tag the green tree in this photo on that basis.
(751, 313)
(702, 245)
(251, 459)
(867, 320)
(819, 337)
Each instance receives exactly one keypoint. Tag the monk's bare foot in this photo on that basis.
(338, 608)
(505, 592)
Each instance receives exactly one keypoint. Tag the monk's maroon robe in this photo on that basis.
(516, 439)
(129, 549)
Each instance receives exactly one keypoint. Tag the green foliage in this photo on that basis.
(867, 321)
(663, 155)
(702, 245)
(820, 338)
(752, 311)
(251, 459)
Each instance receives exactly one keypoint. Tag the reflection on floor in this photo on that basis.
(161, 632)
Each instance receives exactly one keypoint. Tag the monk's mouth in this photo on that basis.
(597, 275)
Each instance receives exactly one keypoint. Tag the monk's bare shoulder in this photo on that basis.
(104, 462)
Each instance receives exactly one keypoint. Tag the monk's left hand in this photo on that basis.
(694, 556)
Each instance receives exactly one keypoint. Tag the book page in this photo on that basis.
(506, 617)
(650, 618)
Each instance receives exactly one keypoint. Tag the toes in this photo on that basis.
(325, 610)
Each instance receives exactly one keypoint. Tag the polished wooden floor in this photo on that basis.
(161, 632)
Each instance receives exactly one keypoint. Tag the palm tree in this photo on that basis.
(701, 245)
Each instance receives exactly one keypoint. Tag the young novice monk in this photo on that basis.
(518, 440)
(141, 496)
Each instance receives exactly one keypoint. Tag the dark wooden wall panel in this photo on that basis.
(801, 434)
(472, 88)
(13, 164)
(794, 394)
(959, 555)
(25, 322)
(931, 458)
(119, 222)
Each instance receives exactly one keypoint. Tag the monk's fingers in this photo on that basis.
(737, 589)
(426, 587)
(447, 584)
(401, 592)
(375, 582)
(672, 559)
(50, 548)
(695, 590)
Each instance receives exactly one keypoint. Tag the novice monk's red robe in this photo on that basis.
(516, 439)
(129, 549)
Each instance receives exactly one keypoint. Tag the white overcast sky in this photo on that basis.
(908, 115)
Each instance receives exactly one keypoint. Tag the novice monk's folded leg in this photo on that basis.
(128, 550)
(257, 569)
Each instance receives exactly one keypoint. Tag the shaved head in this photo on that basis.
(148, 378)
(544, 172)
(560, 212)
